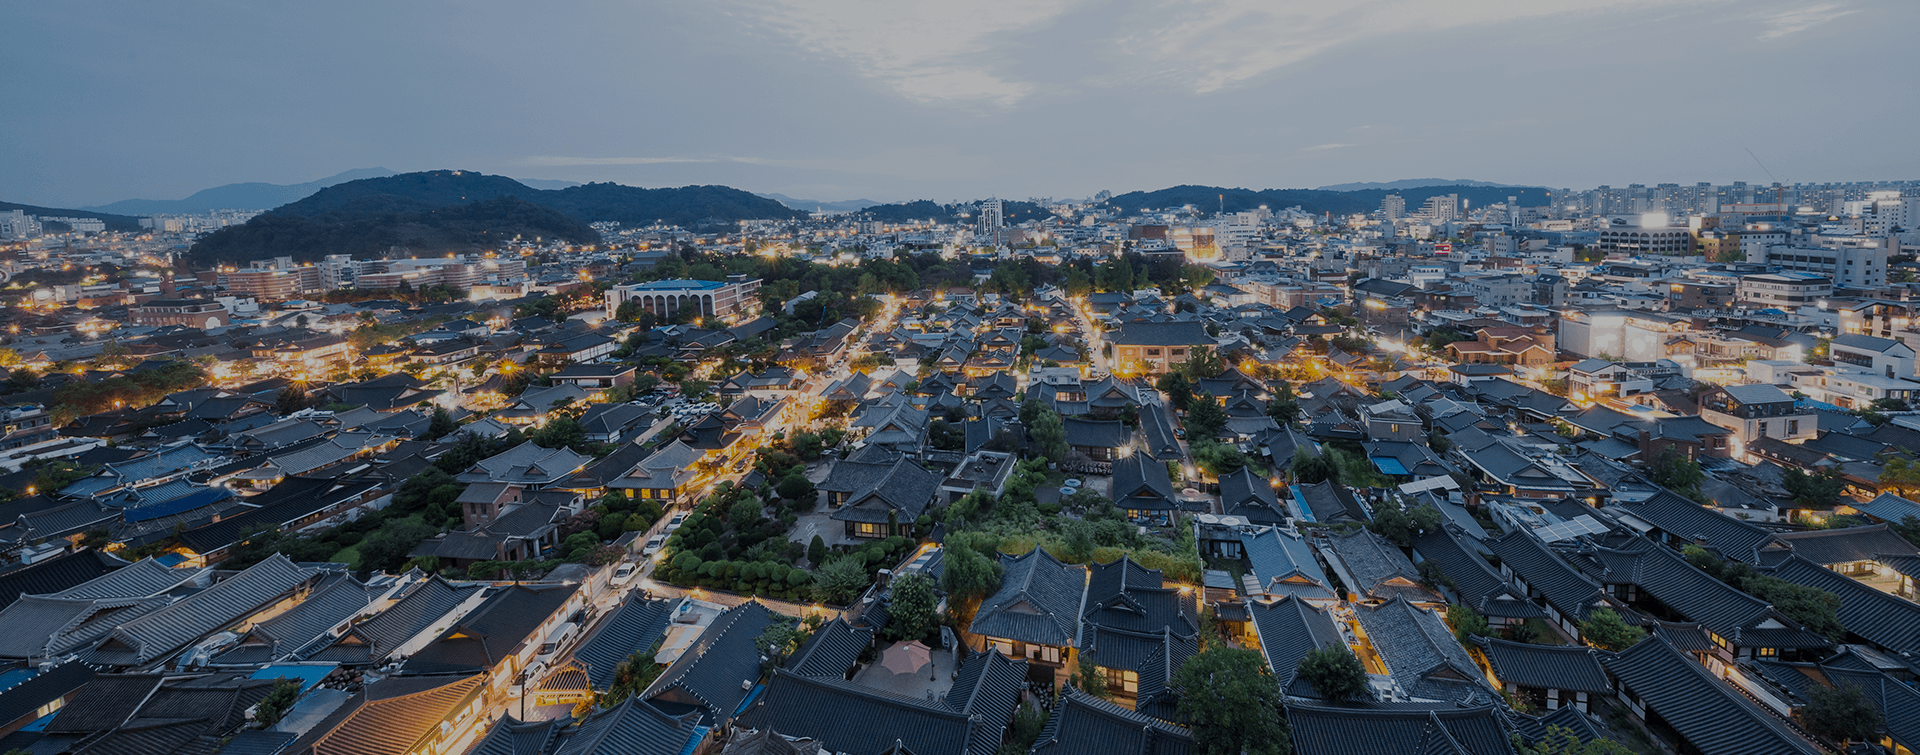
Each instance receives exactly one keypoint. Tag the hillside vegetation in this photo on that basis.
(452, 211)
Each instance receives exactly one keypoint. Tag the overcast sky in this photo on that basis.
(891, 99)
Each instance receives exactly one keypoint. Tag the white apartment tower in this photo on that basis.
(989, 224)
(1392, 207)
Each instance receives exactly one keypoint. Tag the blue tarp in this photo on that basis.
(184, 503)
(1388, 465)
(308, 674)
(1300, 502)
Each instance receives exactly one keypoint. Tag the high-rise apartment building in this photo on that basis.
(990, 225)
(1392, 207)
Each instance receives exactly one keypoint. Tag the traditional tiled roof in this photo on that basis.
(708, 675)
(1665, 576)
(393, 716)
(510, 736)
(1141, 483)
(1556, 581)
(1472, 579)
(632, 728)
(1248, 495)
(1887, 621)
(1379, 570)
(1567, 667)
(832, 649)
(39, 626)
(1692, 522)
(495, 629)
(332, 604)
(632, 628)
(371, 640)
(1844, 545)
(1713, 717)
(1082, 724)
(1283, 563)
(903, 486)
(155, 635)
(1038, 601)
(865, 721)
(23, 699)
(1289, 628)
(1444, 729)
(1420, 652)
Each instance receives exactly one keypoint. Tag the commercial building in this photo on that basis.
(1758, 411)
(1856, 266)
(192, 313)
(737, 295)
(1633, 240)
(1784, 290)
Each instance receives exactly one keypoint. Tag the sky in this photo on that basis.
(894, 100)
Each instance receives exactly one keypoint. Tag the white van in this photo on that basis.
(559, 637)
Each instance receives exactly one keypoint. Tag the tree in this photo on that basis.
(1232, 703)
(968, 574)
(777, 640)
(1841, 714)
(1314, 469)
(1560, 740)
(794, 486)
(441, 425)
(1605, 629)
(1674, 471)
(1049, 434)
(745, 511)
(1899, 476)
(840, 580)
(1908, 527)
(1202, 363)
(910, 612)
(1402, 526)
(1285, 407)
(1467, 623)
(1820, 490)
(290, 399)
(817, 551)
(1335, 673)
(275, 705)
(1205, 418)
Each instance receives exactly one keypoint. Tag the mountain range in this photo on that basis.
(457, 210)
(815, 205)
(260, 196)
(1207, 199)
(1408, 183)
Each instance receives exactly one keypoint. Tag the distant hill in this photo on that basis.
(1208, 198)
(1013, 211)
(240, 196)
(1408, 183)
(815, 205)
(114, 222)
(453, 210)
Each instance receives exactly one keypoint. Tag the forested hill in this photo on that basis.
(452, 210)
(1208, 199)
(1015, 212)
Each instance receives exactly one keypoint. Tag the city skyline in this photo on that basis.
(890, 102)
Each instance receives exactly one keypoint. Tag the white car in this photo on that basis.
(654, 544)
(624, 573)
(676, 521)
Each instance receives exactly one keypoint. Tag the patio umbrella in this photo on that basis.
(906, 658)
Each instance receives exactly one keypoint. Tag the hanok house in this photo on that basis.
(427, 715)
(1095, 439)
(503, 523)
(1657, 582)
(1143, 488)
(1153, 348)
(1471, 581)
(715, 675)
(1547, 677)
(1420, 652)
(1666, 688)
(662, 476)
(880, 500)
(1526, 347)
(1134, 625)
(1251, 497)
(1373, 570)
(1036, 612)
(500, 638)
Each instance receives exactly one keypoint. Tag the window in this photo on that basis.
(1763, 429)
(869, 529)
(1119, 680)
(1043, 653)
(1793, 427)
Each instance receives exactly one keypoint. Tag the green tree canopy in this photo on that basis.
(911, 611)
(1841, 714)
(1232, 703)
(1334, 673)
(1606, 630)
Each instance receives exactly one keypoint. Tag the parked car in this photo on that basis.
(678, 519)
(624, 573)
(653, 546)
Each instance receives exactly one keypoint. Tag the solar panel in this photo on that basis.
(1572, 528)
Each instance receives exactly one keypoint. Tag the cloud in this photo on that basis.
(926, 51)
(1209, 46)
(1787, 22)
(1324, 147)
